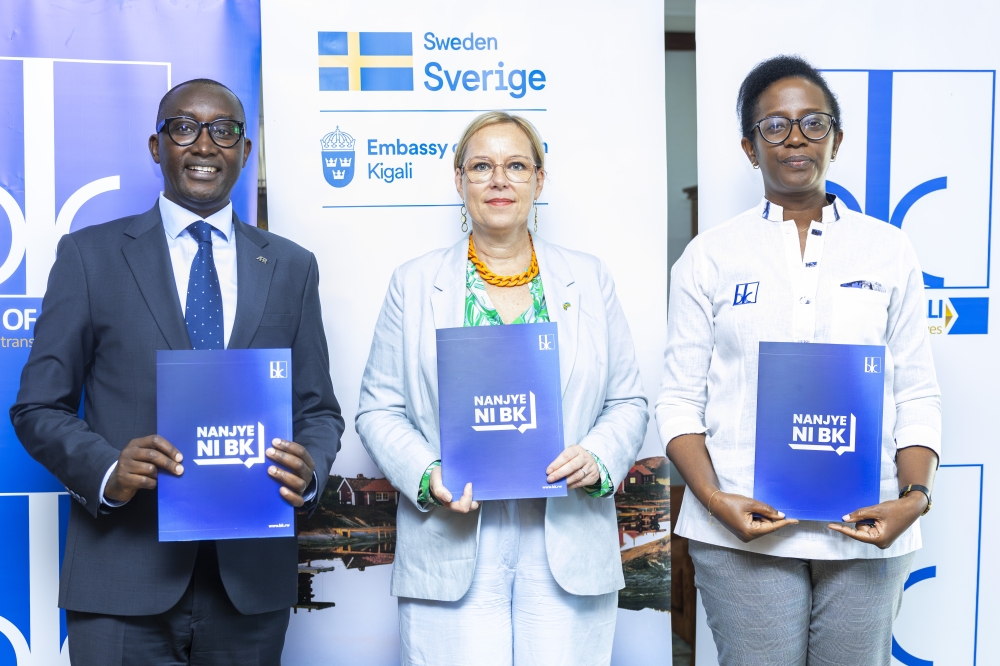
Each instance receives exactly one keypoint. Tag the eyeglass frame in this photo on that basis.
(795, 121)
(201, 126)
(493, 173)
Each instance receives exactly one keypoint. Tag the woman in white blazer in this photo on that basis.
(519, 581)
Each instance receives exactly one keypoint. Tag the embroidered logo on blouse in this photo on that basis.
(865, 284)
(746, 293)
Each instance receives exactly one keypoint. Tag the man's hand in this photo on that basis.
(576, 465)
(138, 466)
(746, 517)
(443, 495)
(891, 518)
(298, 472)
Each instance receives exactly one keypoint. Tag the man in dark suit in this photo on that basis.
(185, 274)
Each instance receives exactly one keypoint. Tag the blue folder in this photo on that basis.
(221, 409)
(500, 406)
(819, 428)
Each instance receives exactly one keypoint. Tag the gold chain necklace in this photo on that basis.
(492, 278)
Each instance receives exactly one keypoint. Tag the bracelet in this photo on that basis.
(710, 504)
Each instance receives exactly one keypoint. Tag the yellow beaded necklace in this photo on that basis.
(492, 278)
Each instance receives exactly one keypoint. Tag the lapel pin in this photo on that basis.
(262, 260)
(566, 306)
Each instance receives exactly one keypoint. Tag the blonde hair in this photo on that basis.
(497, 118)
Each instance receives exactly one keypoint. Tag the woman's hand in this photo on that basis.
(735, 512)
(746, 517)
(576, 465)
(891, 518)
(465, 504)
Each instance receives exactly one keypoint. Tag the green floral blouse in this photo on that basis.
(479, 311)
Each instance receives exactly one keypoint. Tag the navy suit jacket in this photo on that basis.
(111, 304)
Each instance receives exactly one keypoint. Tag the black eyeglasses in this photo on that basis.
(814, 126)
(184, 131)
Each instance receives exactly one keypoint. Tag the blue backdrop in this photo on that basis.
(79, 86)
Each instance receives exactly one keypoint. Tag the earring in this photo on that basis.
(833, 159)
(465, 224)
(756, 166)
(536, 217)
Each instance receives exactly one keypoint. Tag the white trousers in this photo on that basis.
(515, 613)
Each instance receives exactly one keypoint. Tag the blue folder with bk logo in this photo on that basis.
(500, 408)
(819, 428)
(221, 409)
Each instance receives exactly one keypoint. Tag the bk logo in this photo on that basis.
(746, 293)
(873, 364)
(52, 186)
(914, 186)
(279, 370)
(546, 342)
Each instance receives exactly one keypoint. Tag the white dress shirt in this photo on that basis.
(183, 249)
(746, 281)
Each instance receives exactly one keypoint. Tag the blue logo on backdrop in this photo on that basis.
(31, 548)
(56, 178)
(898, 652)
(746, 293)
(958, 316)
(338, 158)
(903, 181)
(19, 473)
(73, 154)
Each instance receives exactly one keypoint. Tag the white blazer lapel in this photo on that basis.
(562, 298)
(448, 295)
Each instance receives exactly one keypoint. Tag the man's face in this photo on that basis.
(200, 176)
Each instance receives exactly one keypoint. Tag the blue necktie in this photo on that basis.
(203, 313)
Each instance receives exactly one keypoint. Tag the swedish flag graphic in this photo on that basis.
(366, 61)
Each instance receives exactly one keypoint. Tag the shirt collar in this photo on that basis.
(774, 213)
(177, 218)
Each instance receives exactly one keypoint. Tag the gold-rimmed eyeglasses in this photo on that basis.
(481, 169)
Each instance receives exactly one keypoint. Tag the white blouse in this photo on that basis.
(746, 281)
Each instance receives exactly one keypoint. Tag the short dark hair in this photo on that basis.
(770, 71)
(161, 111)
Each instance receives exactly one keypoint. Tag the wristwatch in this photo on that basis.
(923, 489)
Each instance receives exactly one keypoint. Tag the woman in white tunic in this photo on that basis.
(799, 267)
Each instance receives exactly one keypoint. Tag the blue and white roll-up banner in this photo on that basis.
(79, 88)
(364, 103)
(917, 87)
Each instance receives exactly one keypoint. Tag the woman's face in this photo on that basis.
(499, 204)
(796, 166)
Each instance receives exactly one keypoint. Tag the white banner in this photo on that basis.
(359, 165)
(917, 87)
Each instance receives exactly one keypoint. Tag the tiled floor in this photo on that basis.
(682, 652)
